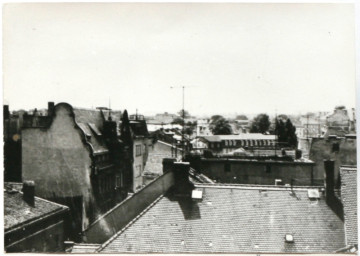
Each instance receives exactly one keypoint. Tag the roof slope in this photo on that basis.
(349, 199)
(233, 219)
(243, 136)
(18, 212)
(91, 122)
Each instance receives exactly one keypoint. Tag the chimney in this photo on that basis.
(51, 108)
(168, 164)
(331, 199)
(29, 192)
(183, 186)
(6, 112)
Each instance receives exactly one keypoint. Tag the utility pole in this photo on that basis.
(183, 118)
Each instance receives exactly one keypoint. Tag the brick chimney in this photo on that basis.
(51, 108)
(29, 192)
(183, 186)
(6, 112)
(168, 164)
(331, 199)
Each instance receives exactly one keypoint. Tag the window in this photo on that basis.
(138, 150)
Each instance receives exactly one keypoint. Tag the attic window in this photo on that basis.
(289, 238)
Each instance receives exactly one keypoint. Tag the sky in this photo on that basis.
(231, 58)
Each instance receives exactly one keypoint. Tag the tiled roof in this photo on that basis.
(233, 219)
(18, 212)
(91, 122)
(349, 199)
(243, 136)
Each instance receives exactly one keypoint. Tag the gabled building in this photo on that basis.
(76, 158)
(32, 224)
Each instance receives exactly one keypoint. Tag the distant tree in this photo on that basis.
(286, 133)
(186, 113)
(178, 120)
(241, 117)
(190, 127)
(283, 117)
(260, 124)
(214, 118)
(221, 127)
(290, 130)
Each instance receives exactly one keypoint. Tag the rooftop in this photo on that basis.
(233, 219)
(18, 212)
(349, 199)
(243, 136)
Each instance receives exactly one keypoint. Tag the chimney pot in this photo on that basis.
(29, 192)
(51, 107)
(6, 112)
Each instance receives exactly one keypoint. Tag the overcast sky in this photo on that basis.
(243, 58)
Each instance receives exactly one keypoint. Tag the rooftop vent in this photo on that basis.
(289, 238)
(197, 195)
(278, 182)
(313, 194)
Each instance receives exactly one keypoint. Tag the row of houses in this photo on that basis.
(86, 159)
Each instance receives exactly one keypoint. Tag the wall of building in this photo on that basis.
(157, 152)
(116, 219)
(58, 161)
(47, 239)
(341, 150)
(256, 172)
(140, 161)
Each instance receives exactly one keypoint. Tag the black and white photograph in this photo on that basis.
(180, 128)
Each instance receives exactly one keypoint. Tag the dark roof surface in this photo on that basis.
(139, 127)
(349, 199)
(91, 122)
(18, 212)
(233, 219)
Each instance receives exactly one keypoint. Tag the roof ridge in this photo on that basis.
(256, 187)
(100, 248)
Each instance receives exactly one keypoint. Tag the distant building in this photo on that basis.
(203, 127)
(141, 141)
(256, 170)
(340, 149)
(77, 158)
(32, 224)
(221, 144)
(338, 123)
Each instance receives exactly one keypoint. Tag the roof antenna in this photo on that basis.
(109, 118)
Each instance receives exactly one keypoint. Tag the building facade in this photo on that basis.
(76, 158)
